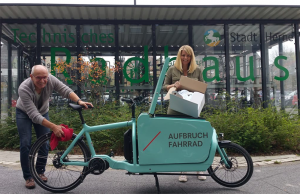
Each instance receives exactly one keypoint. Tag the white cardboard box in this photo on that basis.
(192, 107)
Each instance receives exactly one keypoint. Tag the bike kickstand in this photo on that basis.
(157, 183)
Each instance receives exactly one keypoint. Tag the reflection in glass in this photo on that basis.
(245, 66)
(281, 70)
(209, 48)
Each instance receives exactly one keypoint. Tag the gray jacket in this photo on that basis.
(35, 109)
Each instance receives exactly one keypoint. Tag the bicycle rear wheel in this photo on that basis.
(61, 178)
(240, 170)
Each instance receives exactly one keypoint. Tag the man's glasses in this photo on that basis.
(41, 78)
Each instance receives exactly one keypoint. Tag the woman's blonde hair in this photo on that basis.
(189, 51)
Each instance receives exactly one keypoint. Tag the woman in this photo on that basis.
(185, 65)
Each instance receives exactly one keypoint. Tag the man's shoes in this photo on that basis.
(43, 177)
(182, 178)
(201, 178)
(30, 183)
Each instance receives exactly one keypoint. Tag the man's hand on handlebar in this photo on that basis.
(85, 104)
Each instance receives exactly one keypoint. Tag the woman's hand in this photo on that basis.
(85, 104)
(177, 85)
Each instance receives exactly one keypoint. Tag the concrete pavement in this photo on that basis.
(12, 159)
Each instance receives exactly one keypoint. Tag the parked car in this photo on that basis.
(289, 98)
(13, 103)
(295, 99)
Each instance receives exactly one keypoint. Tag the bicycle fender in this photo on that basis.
(223, 142)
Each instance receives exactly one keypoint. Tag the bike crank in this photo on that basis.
(97, 166)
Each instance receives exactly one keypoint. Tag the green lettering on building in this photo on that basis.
(214, 67)
(102, 65)
(281, 68)
(54, 65)
(64, 37)
(238, 72)
(144, 63)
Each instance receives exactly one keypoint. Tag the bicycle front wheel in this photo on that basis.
(61, 178)
(240, 167)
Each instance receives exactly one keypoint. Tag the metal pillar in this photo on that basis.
(296, 30)
(190, 33)
(245, 73)
(154, 56)
(264, 64)
(206, 94)
(119, 70)
(227, 60)
(19, 66)
(0, 64)
(280, 48)
(9, 77)
(38, 43)
(255, 91)
(78, 43)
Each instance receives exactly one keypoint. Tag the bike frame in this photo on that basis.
(135, 167)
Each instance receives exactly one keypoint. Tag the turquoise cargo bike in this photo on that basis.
(154, 145)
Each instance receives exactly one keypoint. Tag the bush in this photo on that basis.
(9, 135)
(257, 130)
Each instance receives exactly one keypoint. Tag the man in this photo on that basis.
(32, 109)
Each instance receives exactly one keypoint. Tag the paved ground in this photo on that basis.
(267, 179)
(12, 159)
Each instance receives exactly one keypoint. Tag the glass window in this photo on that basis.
(135, 43)
(173, 36)
(15, 86)
(245, 65)
(24, 34)
(97, 36)
(61, 41)
(58, 35)
(98, 43)
(281, 67)
(4, 78)
(209, 47)
(169, 38)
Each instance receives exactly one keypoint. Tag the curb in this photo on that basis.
(12, 159)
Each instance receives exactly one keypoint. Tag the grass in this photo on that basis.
(267, 160)
(277, 162)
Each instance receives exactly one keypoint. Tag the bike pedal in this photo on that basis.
(96, 172)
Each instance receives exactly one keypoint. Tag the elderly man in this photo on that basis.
(32, 109)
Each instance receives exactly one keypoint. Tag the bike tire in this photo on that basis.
(61, 178)
(240, 171)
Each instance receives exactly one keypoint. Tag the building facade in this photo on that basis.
(249, 52)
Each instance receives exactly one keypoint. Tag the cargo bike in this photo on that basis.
(154, 145)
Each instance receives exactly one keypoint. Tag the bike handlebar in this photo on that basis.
(89, 106)
(128, 100)
(137, 100)
(78, 107)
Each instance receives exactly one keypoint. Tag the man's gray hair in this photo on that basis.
(32, 70)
